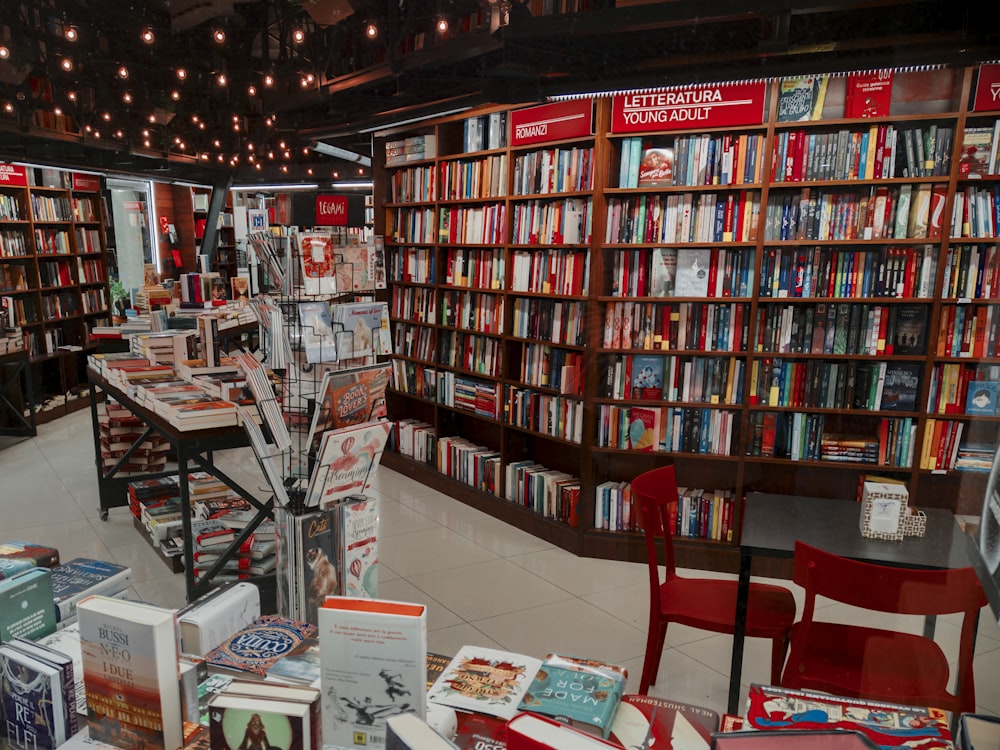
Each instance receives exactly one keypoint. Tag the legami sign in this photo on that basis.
(719, 105)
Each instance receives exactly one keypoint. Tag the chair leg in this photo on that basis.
(779, 649)
(655, 639)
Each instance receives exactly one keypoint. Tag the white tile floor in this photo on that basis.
(484, 582)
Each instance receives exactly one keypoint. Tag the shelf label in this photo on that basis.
(552, 122)
(14, 175)
(724, 105)
(331, 210)
(987, 89)
(86, 182)
(259, 219)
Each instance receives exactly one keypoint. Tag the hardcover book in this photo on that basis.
(316, 251)
(82, 577)
(359, 546)
(26, 609)
(250, 652)
(17, 557)
(130, 673)
(66, 640)
(981, 397)
(868, 94)
(212, 618)
(485, 680)
(242, 722)
(299, 666)
(910, 330)
(345, 461)
(35, 714)
(692, 272)
(902, 383)
(373, 662)
(584, 693)
(528, 731)
(663, 271)
(659, 722)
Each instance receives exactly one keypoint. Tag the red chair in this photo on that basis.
(703, 603)
(865, 662)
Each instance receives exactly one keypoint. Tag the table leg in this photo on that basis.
(182, 473)
(739, 633)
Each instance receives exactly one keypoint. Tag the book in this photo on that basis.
(347, 398)
(796, 97)
(902, 384)
(316, 335)
(35, 712)
(316, 251)
(26, 609)
(656, 166)
(869, 94)
(66, 640)
(529, 731)
(314, 558)
(663, 269)
(584, 693)
(911, 330)
(977, 145)
(373, 662)
(212, 618)
(82, 577)
(886, 724)
(691, 279)
(982, 397)
(345, 461)
(659, 722)
(17, 557)
(359, 546)
(647, 376)
(242, 722)
(485, 680)
(410, 732)
(68, 683)
(300, 665)
(130, 677)
(361, 329)
(254, 649)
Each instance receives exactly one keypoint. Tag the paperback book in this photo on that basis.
(656, 166)
(659, 722)
(250, 652)
(691, 279)
(345, 461)
(359, 546)
(347, 398)
(82, 577)
(663, 271)
(35, 711)
(316, 332)
(316, 251)
(26, 609)
(17, 557)
(361, 329)
(485, 680)
(982, 397)
(242, 722)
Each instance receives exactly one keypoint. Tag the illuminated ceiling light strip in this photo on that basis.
(360, 184)
(341, 153)
(290, 186)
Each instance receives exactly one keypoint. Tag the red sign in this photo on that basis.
(331, 210)
(721, 105)
(13, 175)
(164, 225)
(987, 89)
(86, 182)
(552, 122)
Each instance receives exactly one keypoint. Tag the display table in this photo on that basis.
(773, 523)
(14, 368)
(194, 452)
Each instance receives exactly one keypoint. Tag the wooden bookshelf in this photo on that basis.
(824, 295)
(54, 281)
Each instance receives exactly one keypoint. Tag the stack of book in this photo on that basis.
(118, 430)
(81, 577)
(26, 608)
(164, 347)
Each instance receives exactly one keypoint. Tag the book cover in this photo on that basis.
(583, 693)
(361, 329)
(885, 724)
(316, 560)
(70, 679)
(868, 94)
(691, 279)
(354, 266)
(17, 557)
(242, 722)
(977, 144)
(300, 665)
(240, 286)
(359, 546)
(981, 397)
(26, 609)
(656, 167)
(643, 428)
(316, 252)
(344, 462)
(796, 97)
(35, 716)
(659, 722)
(316, 334)
(647, 376)
(528, 731)
(485, 680)
(130, 677)
(902, 384)
(911, 330)
(373, 665)
(663, 270)
(81, 577)
(255, 649)
(66, 640)
(347, 398)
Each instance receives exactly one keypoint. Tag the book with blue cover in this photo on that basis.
(583, 693)
(981, 397)
(80, 577)
(647, 376)
(32, 700)
(17, 557)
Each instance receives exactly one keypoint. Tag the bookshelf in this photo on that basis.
(795, 305)
(225, 258)
(54, 278)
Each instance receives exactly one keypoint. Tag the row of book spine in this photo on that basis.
(415, 439)
(473, 311)
(94, 301)
(412, 225)
(471, 352)
(13, 244)
(469, 463)
(679, 429)
(549, 414)
(472, 179)
(951, 383)
(550, 271)
(418, 303)
(88, 240)
(969, 331)
(413, 265)
(840, 273)
(479, 225)
(844, 328)
(415, 379)
(558, 321)
(649, 272)
(10, 208)
(413, 341)
(478, 268)
(554, 170)
(683, 217)
(59, 305)
(415, 184)
(52, 241)
(700, 159)
(939, 449)
(547, 366)
(708, 380)
(679, 326)
(55, 274)
(552, 222)
(972, 272)
(976, 212)
(469, 394)
(547, 492)
(878, 213)
(51, 207)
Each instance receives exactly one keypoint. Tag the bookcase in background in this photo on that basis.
(54, 277)
(770, 304)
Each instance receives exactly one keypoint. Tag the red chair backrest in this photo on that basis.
(654, 495)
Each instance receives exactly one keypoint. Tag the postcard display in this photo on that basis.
(783, 286)
(325, 330)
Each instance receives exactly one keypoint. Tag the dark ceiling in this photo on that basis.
(337, 83)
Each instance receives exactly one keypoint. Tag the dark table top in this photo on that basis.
(773, 523)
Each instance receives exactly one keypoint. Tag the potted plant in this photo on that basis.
(119, 300)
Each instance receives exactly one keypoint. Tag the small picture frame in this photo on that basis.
(883, 511)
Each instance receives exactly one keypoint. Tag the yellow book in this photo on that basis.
(870, 156)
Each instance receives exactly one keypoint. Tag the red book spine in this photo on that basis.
(713, 271)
